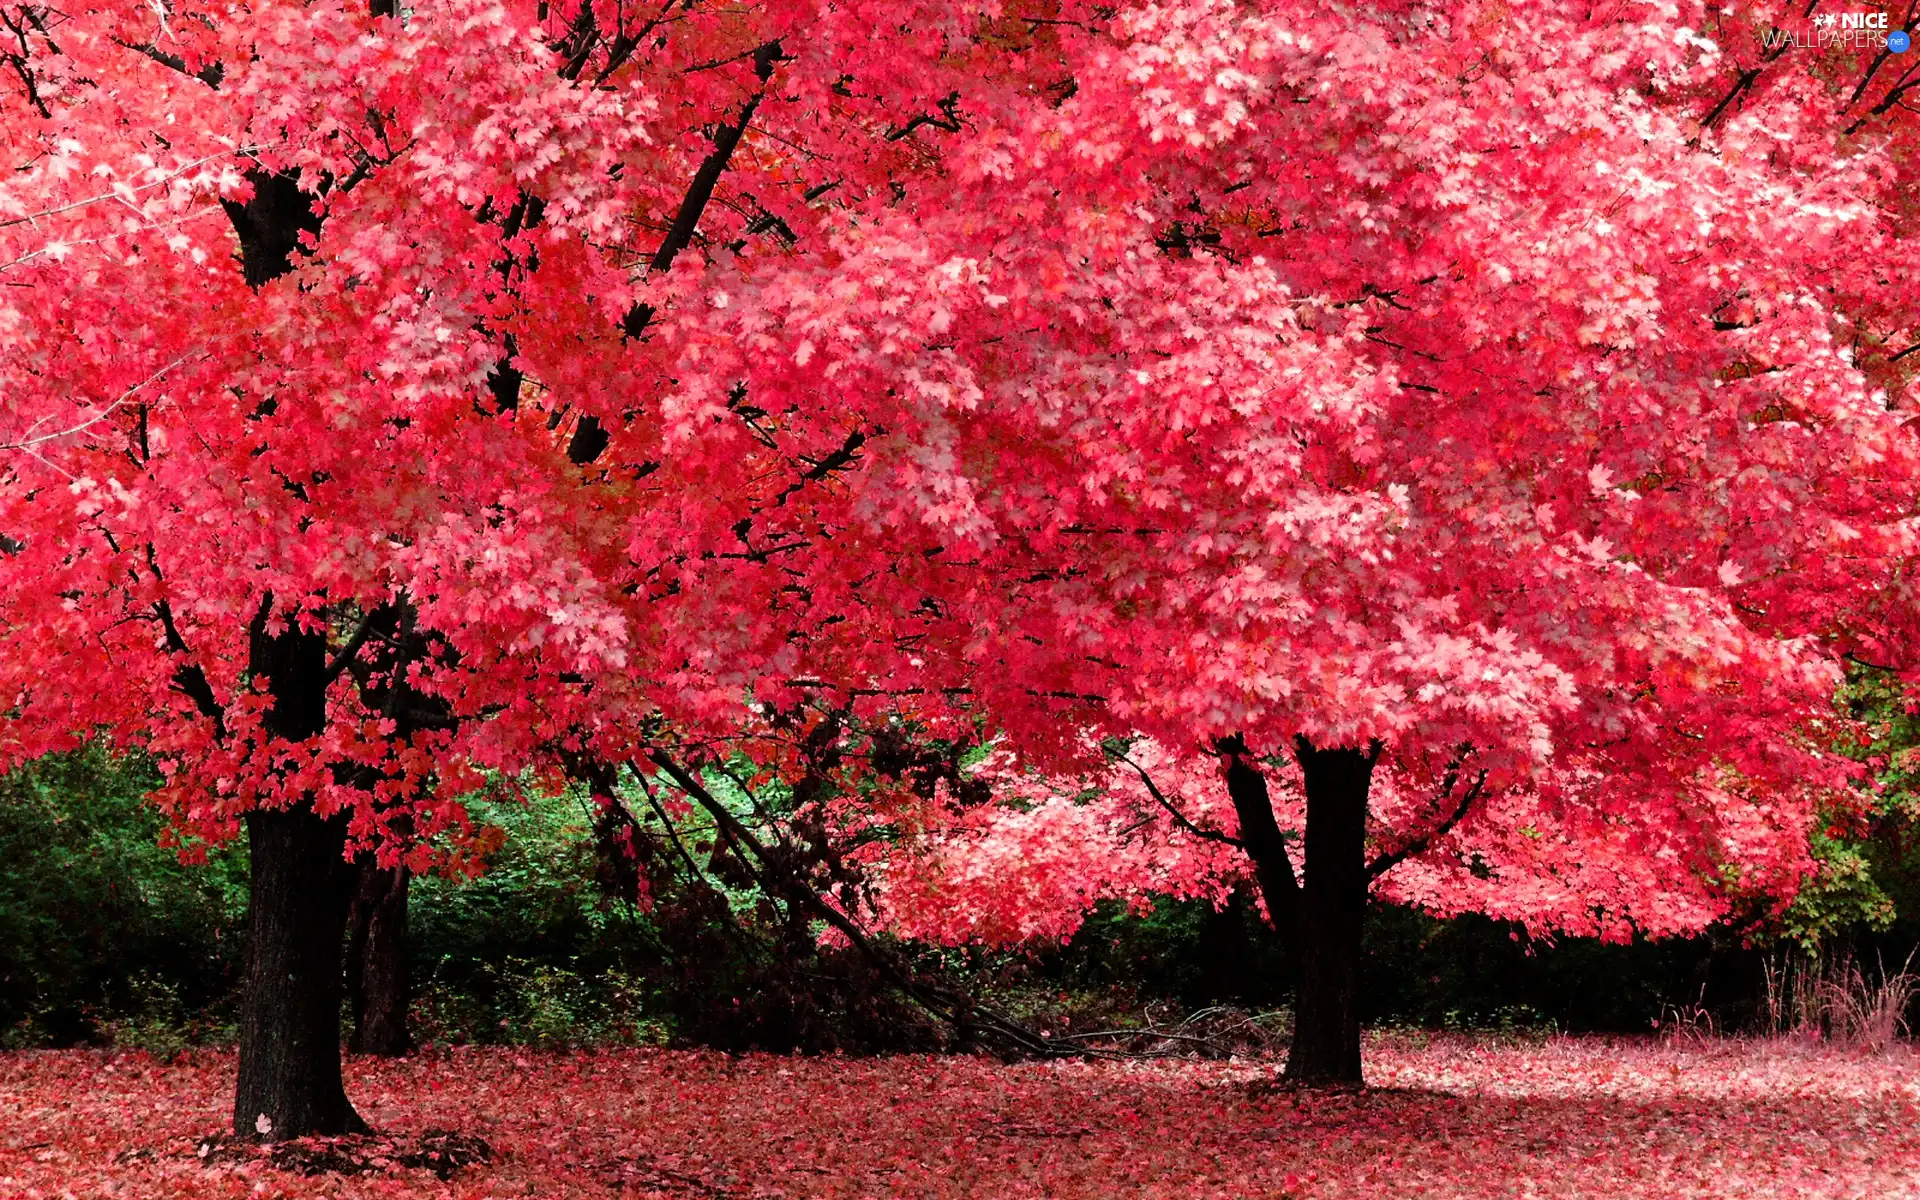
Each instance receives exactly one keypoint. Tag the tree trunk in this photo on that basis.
(377, 961)
(1333, 905)
(290, 1082)
(301, 885)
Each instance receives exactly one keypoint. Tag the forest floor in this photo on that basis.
(1444, 1117)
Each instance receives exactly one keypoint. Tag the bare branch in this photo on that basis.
(1387, 862)
(121, 192)
(1180, 818)
(960, 1009)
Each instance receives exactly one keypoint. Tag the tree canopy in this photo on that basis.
(1513, 400)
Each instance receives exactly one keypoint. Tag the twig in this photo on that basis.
(127, 190)
(1387, 862)
(28, 444)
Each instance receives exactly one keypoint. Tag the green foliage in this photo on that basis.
(102, 932)
(540, 1004)
(1867, 885)
(1843, 895)
(105, 936)
(536, 951)
(155, 1020)
(530, 952)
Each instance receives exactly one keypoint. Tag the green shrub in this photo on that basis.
(104, 936)
(102, 929)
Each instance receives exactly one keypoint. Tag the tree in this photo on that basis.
(407, 488)
(1526, 535)
(397, 493)
(1420, 393)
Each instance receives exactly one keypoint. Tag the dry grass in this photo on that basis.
(1839, 1002)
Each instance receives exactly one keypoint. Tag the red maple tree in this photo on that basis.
(1509, 404)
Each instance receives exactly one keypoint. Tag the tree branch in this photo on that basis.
(27, 442)
(269, 225)
(1387, 862)
(1264, 843)
(1180, 818)
(686, 221)
(187, 677)
(1906, 83)
(211, 74)
(948, 121)
(960, 1010)
(1748, 77)
(590, 439)
(845, 456)
(345, 656)
(1880, 60)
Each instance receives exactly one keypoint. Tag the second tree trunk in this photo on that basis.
(377, 961)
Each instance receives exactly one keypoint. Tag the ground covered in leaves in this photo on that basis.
(1452, 1117)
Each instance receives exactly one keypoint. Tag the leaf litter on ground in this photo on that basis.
(1444, 1117)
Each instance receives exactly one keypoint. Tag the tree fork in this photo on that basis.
(1319, 917)
(1261, 838)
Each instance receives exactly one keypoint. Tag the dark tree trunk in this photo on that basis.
(289, 1082)
(1318, 917)
(269, 225)
(1326, 1027)
(301, 886)
(377, 960)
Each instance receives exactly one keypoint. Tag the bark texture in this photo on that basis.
(1326, 1026)
(289, 1083)
(1319, 912)
(377, 961)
